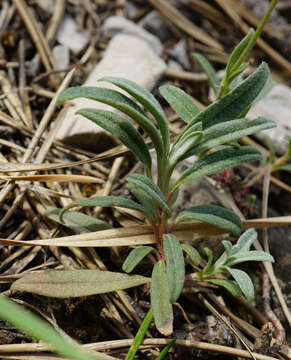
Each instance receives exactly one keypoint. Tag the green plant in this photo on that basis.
(211, 135)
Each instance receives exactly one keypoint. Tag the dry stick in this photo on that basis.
(55, 20)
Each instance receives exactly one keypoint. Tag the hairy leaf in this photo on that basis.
(244, 242)
(148, 101)
(135, 257)
(214, 215)
(254, 255)
(227, 284)
(122, 129)
(218, 161)
(160, 300)
(175, 265)
(152, 189)
(77, 221)
(118, 101)
(180, 102)
(208, 269)
(244, 282)
(75, 283)
(210, 72)
(193, 254)
(146, 201)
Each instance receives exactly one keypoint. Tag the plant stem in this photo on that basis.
(140, 335)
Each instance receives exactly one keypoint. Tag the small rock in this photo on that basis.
(117, 24)
(47, 5)
(62, 56)
(179, 53)
(155, 24)
(71, 36)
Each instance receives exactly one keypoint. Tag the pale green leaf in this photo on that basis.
(208, 269)
(148, 101)
(214, 215)
(135, 257)
(145, 200)
(75, 283)
(210, 72)
(77, 221)
(122, 129)
(254, 255)
(180, 102)
(175, 265)
(244, 282)
(193, 254)
(160, 300)
(227, 284)
(244, 242)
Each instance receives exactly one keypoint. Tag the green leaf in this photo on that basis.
(74, 283)
(180, 102)
(266, 89)
(37, 328)
(138, 339)
(239, 49)
(218, 161)
(118, 101)
(210, 72)
(165, 350)
(236, 101)
(135, 257)
(208, 269)
(244, 242)
(244, 282)
(160, 299)
(175, 265)
(123, 130)
(145, 200)
(254, 255)
(151, 189)
(286, 167)
(227, 284)
(110, 201)
(232, 130)
(148, 101)
(214, 215)
(80, 223)
(193, 254)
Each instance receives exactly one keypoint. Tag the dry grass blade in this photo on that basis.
(143, 235)
(53, 177)
(179, 20)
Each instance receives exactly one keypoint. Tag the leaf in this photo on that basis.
(118, 101)
(286, 167)
(148, 101)
(210, 72)
(244, 282)
(75, 283)
(165, 350)
(180, 102)
(227, 284)
(110, 201)
(145, 200)
(193, 254)
(266, 89)
(175, 265)
(77, 221)
(254, 255)
(214, 215)
(218, 161)
(37, 328)
(232, 130)
(244, 242)
(160, 300)
(151, 189)
(135, 257)
(239, 49)
(236, 101)
(208, 269)
(122, 129)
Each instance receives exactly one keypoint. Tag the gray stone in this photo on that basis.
(179, 53)
(62, 56)
(117, 24)
(154, 23)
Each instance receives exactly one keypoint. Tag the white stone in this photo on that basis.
(62, 56)
(126, 56)
(71, 36)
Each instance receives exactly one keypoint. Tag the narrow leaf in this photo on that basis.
(244, 282)
(75, 283)
(37, 328)
(244, 242)
(135, 257)
(118, 101)
(160, 300)
(165, 350)
(254, 255)
(180, 102)
(227, 284)
(175, 265)
(148, 101)
(122, 129)
(210, 72)
(145, 201)
(239, 49)
(214, 215)
(208, 269)
(193, 254)
(77, 221)
(219, 161)
(152, 189)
